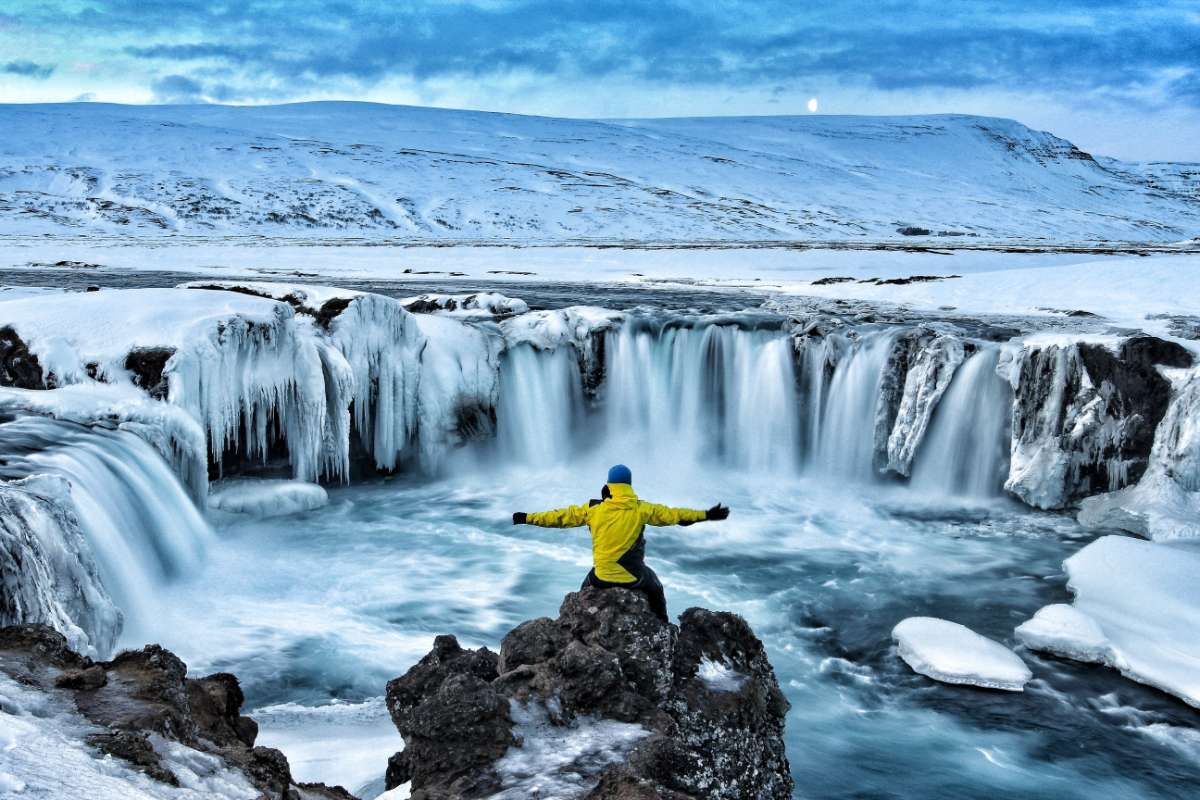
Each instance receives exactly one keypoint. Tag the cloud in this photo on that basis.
(28, 69)
(1078, 50)
(177, 89)
(1083, 46)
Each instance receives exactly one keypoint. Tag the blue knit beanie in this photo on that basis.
(620, 474)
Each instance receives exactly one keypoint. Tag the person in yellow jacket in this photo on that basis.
(618, 522)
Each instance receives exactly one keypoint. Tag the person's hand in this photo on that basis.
(520, 517)
(718, 512)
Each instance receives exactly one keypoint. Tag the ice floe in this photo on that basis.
(264, 497)
(951, 653)
(1136, 609)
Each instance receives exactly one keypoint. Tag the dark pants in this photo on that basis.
(648, 584)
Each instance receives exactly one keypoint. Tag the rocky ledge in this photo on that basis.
(141, 705)
(606, 703)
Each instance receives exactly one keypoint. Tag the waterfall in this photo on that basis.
(843, 425)
(965, 451)
(675, 393)
(541, 400)
(138, 520)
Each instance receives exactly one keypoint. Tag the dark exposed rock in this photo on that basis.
(453, 722)
(145, 693)
(606, 656)
(86, 679)
(1150, 350)
(147, 365)
(1084, 418)
(832, 279)
(18, 366)
(912, 230)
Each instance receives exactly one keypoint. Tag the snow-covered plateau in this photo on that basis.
(273, 381)
(392, 172)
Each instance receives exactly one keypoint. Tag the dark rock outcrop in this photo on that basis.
(145, 693)
(18, 366)
(605, 657)
(1085, 415)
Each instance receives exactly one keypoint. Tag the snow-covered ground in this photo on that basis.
(376, 171)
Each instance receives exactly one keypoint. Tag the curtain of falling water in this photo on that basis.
(141, 525)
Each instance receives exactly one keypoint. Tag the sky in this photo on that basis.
(1116, 78)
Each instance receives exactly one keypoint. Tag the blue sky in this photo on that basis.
(1117, 78)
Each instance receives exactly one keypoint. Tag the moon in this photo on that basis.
(812, 105)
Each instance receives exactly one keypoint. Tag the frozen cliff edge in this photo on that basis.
(133, 726)
(606, 701)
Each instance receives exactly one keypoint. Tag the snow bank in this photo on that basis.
(481, 304)
(1136, 609)
(265, 498)
(951, 653)
(47, 574)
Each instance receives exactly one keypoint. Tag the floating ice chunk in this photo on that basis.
(951, 653)
(480, 304)
(719, 676)
(561, 761)
(1143, 601)
(265, 498)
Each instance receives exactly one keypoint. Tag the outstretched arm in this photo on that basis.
(569, 517)
(665, 515)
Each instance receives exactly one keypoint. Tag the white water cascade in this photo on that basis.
(966, 449)
(842, 413)
(136, 517)
(733, 393)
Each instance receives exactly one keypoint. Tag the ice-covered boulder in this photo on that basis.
(47, 575)
(952, 653)
(916, 376)
(479, 304)
(144, 712)
(1136, 609)
(369, 349)
(579, 327)
(605, 701)
(1085, 415)
(459, 388)
(265, 498)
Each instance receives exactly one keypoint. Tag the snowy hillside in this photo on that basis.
(376, 171)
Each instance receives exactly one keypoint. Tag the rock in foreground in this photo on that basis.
(604, 702)
(140, 709)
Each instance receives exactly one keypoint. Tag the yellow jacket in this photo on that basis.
(617, 524)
